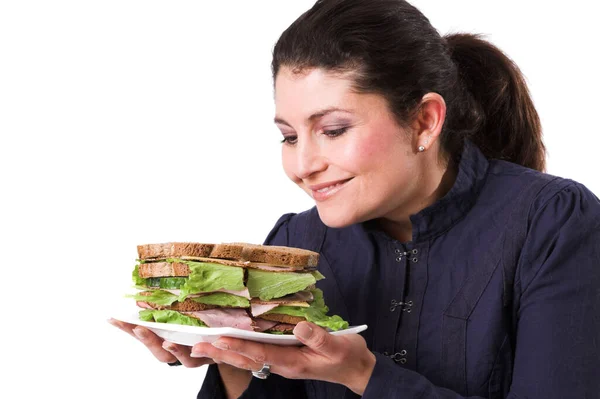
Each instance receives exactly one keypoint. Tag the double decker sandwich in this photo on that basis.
(251, 287)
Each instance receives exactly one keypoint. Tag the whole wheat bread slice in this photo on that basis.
(163, 269)
(242, 254)
(270, 254)
(282, 328)
(174, 250)
(227, 251)
(282, 318)
(186, 306)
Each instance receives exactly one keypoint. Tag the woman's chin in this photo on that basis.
(336, 218)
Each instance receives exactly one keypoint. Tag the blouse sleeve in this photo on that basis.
(275, 386)
(557, 288)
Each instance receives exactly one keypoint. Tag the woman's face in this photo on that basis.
(343, 148)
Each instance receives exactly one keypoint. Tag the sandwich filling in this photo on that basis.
(214, 294)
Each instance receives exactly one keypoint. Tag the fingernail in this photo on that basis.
(303, 331)
(220, 345)
(140, 333)
(197, 354)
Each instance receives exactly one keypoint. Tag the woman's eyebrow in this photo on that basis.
(314, 116)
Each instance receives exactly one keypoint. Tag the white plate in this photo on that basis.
(190, 335)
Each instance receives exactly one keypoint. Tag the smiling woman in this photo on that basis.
(436, 225)
(435, 222)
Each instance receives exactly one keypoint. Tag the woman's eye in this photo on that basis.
(335, 132)
(290, 140)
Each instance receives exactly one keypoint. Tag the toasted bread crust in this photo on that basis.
(173, 250)
(163, 269)
(282, 318)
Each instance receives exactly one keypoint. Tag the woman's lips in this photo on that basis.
(323, 191)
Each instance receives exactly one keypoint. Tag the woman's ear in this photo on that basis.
(429, 121)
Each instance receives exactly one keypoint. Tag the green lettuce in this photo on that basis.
(317, 275)
(223, 299)
(158, 297)
(135, 276)
(169, 316)
(210, 277)
(268, 285)
(316, 313)
(169, 283)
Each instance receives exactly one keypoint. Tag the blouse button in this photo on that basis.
(415, 260)
(415, 251)
(398, 251)
(402, 361)
(399, 259)
(403, 352)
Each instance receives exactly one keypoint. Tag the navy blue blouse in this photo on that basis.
(496, 296)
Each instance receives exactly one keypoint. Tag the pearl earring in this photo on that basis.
(421, 148)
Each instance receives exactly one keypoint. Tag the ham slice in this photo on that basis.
(236, 318)
(144, 305)
(257, 308)
(263, 325)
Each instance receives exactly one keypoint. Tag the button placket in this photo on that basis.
(411, 255)
(405, 306)
(398, 357)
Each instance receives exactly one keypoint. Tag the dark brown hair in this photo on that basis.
(391, 49)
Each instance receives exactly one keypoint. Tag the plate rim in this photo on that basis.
(222, 331)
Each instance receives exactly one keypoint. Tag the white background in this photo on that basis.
(126, 122)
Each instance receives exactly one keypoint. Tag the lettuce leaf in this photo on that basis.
(135, 276)
(169, 316)
(316, 313)
(317, 275)
(158, 297)
(169, 283)
(223, 299)
(209, 277)
(268, 285)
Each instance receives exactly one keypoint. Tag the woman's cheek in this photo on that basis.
(364, 152)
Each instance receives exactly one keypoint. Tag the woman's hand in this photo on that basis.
(166, 352)
(343, 359)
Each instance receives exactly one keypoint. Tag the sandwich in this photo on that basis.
(250, 287)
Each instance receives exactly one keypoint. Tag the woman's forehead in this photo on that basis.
(303, 94)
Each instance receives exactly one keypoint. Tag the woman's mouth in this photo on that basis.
(323, 191)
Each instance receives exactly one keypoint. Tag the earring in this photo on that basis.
(421, 148)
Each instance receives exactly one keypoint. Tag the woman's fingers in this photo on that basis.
(154, 343)
(204, 349)
(182, 353)
(121, 325)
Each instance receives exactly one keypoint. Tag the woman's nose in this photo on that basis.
(309, 159)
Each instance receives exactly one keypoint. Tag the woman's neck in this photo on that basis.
(436, 186)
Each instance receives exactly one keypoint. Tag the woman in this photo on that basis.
(476, 272)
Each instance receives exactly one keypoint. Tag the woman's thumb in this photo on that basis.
(314, 337)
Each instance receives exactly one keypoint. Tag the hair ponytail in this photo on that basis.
(503, 119)
(394, 51)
